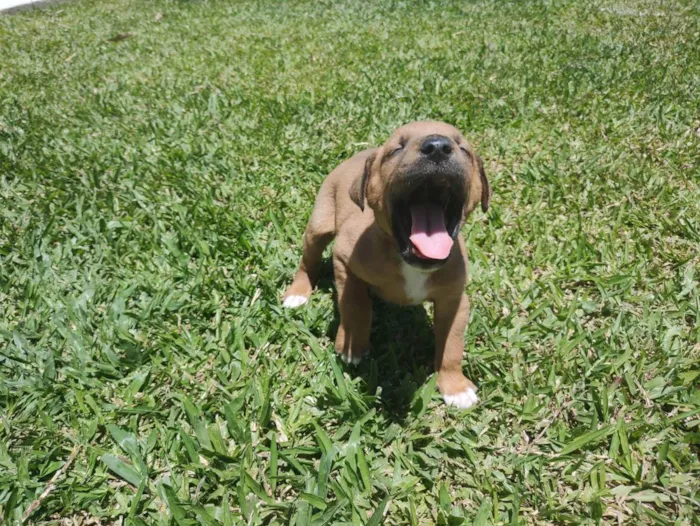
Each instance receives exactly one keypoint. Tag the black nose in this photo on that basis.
(436, 148)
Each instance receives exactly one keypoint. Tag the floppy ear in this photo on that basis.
(358, 189)
(485, 186)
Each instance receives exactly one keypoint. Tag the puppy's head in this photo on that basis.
(422, 183)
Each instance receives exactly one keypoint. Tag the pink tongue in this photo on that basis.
(428, 233)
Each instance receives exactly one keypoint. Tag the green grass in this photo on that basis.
(153, 193)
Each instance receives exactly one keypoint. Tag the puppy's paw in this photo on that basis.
(295, 300)
(298, 292)
(463, 400)
(353, 359)
(352, 356)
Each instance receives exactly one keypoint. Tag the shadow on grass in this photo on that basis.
(402, 353)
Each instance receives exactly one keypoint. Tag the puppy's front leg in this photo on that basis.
(451, 317)
(355, 306)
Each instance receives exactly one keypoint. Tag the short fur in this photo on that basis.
(352, 207)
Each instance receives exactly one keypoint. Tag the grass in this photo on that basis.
(158, 162)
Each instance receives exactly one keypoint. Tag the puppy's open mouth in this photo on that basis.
(425, 219)
(429, 235)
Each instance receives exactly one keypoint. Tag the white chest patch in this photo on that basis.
(415, 283)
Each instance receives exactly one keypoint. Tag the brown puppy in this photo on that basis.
(406, 246)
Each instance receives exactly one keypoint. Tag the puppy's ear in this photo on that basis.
(485, 186)
(358, 189)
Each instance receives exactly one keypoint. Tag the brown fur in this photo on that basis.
(365, 254)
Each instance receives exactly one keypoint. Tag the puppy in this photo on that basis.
(396, 213)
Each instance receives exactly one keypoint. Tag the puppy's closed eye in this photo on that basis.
(393, 152)
(396, 149)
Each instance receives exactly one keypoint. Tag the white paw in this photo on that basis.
(292, 302)
(353, 360)
(463, 400)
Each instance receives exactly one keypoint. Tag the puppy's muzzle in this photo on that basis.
(427, 206)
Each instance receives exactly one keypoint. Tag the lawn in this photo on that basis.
(158, 163)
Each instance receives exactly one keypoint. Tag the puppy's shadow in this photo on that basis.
(402, 352)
